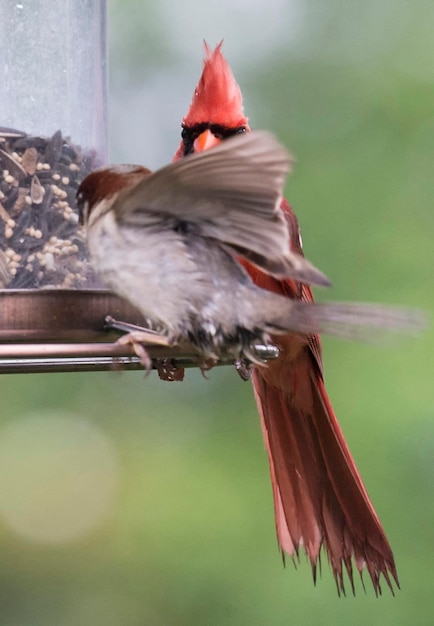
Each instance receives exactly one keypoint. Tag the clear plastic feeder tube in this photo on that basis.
(52, 133)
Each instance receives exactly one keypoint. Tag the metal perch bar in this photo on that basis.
(72, 357)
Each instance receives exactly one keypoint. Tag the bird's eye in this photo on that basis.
(79, 199)
(223, 132)
(80, 206)
(187, 135)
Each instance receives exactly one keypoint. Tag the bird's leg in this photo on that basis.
(206, 364)
(137, 338)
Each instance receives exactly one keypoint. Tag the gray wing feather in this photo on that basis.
(232, 194)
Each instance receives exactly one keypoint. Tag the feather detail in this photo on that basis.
(350, 320)
(319, 497)
(229, 194)
(307, 453)
(217, 97)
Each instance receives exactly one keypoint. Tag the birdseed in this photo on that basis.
(41, 241)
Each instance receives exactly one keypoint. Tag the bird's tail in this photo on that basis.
(319, 496)
(349, 320)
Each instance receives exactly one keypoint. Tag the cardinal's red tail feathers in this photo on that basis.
(319, 497)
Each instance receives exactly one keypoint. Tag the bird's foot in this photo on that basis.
(205, 365)
(137, 338)
(244, 369)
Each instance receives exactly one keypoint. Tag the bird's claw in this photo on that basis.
(244, 369)
(205, 365)
(136, 339)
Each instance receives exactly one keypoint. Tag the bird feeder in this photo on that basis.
(54, 314)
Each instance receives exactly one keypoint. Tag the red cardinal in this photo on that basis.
(319, 496)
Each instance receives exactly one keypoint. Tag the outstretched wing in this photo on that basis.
(232, 194)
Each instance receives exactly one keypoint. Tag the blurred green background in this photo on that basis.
(166, 486)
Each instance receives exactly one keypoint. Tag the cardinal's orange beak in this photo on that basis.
(204, 141)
